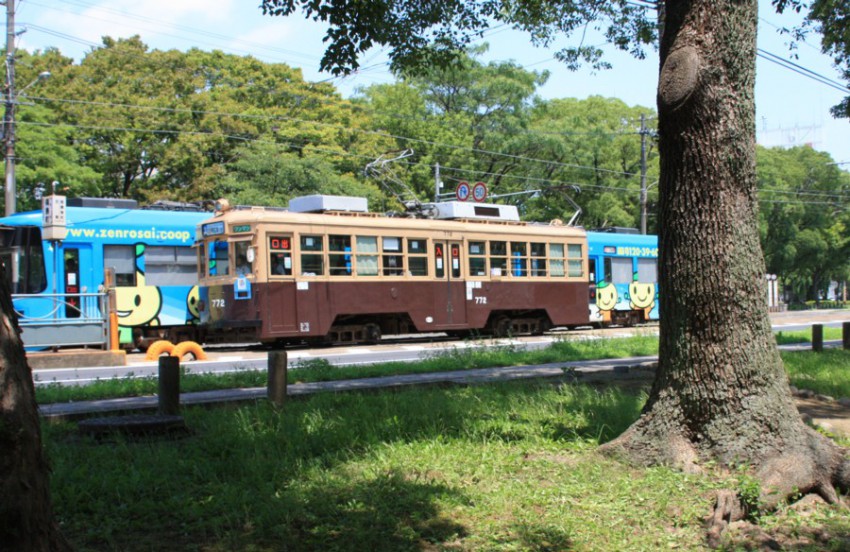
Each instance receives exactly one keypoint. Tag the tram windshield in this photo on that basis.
(23, 259)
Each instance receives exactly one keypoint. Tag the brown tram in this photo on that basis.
(326, 270)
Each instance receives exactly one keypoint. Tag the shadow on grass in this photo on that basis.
(329, 472)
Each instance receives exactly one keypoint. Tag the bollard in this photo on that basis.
(169, 385)
(277, 377)
(817, 338)
(845, 328)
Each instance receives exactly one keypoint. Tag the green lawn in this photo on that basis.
(510, 466)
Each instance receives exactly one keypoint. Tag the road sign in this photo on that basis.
(462, 191)
(479, 191)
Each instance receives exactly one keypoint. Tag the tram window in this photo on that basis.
(121, 258)
(618, 270)
(498, 258)
(556, 260)
(647, 271)
(455, 260)
(367, 255)
(393, 264)
(280, 255)
(169, 266)
(312, 264)
(243, 264)
(219, 261)
(72, 282)
(477, 259)
(519, 262)
(339, 258)
(281, 263)
(538, 259)
(575, 259)
(201, 261)
(591, 265)
(417, 257)
(440, 260)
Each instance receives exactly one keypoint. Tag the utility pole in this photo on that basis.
(437, 183)
(643, 133)
(9, 117)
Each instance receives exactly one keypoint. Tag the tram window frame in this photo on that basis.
(498, 254)
(392, 256)
(340, 255)
(218, 261)
(417, 257)
(242, 263)
(647, 270)
(618, 270)
(72, 287)
(477, 252)
(537, 258)
(313, 262)
(519, 259)
(575, 260)
(169, 265)
(122, 259)
(366, 255)
(201, 261)
(557, 260)
(280, 255)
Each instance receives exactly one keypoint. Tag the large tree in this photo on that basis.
(720, 392)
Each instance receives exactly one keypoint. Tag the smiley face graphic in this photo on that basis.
(641, 296)
(606, 296)
(138, 305)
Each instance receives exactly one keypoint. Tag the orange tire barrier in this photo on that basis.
(159, 348)
(189, 347)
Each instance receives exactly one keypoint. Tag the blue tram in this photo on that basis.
(57, 284)
(623, 271)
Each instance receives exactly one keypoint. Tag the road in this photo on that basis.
(224, 360)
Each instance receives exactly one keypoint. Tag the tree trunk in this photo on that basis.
(26, 513)
(721, 392)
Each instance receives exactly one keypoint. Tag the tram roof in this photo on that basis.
(96, 217)
(271, 216)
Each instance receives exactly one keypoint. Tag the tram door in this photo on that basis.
(450, 294)
(71, 270)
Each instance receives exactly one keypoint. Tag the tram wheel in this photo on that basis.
(502, 327)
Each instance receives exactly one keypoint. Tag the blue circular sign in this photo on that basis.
(462, 191)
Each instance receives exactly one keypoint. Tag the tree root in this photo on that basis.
(810, 463)
(727, 509)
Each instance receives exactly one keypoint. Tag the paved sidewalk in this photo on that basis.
(586, 371)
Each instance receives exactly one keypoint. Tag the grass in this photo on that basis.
(504, 467)
(827, 373)
(803, 373)
(320, 370)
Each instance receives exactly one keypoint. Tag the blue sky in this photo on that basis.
(791, 109)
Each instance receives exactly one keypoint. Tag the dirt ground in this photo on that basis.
(832, 415)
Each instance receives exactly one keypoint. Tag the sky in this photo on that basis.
(791, 109)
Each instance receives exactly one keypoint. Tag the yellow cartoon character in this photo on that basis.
(642, 296)
(606, 299)
(138, 305)
(192, 305)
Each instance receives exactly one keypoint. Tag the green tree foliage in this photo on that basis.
(804, 219)
(262, 175)
(171, 124)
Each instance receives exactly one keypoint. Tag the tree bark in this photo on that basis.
(721, 392)
(26, 512)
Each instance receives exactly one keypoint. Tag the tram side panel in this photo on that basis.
(623, 278)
